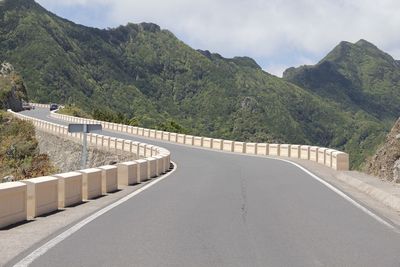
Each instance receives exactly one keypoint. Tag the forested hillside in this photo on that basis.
(359, 76)
(144, 75)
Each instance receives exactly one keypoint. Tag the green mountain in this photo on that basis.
(359, 76)
(145, 75)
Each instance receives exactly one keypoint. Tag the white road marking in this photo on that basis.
(58, 239)
(342, 194)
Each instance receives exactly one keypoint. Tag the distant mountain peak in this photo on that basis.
(240, 61)
(150, 27)
(359, 51)
(365, 44)
(18, 4)
(344, 43)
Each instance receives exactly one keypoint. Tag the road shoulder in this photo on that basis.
(381, 196)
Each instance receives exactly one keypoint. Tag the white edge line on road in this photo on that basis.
(58, 239)
(343, 195)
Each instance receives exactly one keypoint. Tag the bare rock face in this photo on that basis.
(12, 88)
(386, 161)
(249, 104)
(66, 154)
(396, 171)
(7, 179)
(6, 69)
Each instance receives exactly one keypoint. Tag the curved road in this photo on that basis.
(220, 209)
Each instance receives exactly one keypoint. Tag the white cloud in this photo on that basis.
(262, 28)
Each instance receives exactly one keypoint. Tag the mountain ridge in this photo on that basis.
(146, 75)
(360, 75)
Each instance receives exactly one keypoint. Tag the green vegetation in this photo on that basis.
(142, 75)
(118, 117)
(172, 126)
(19, 154)
(358, 76)
(12, 90)
(73, 110)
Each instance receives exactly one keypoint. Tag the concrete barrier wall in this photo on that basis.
(251, 148)
(159, 165)
(227, 145)
(127, 146)
(262, 149)
(152, 167)
(120, 144)
(340, 161)
(69, 189)
(109, 179)
(198, 141)
(40, 105)
(180, 138)
(159, 135)
(142, 171)
(189, 140)
(42, 194)
(321, 155)
(91, 183)
(207, 142)
(217, 144)
(239, 147)
(166, 136)
(173, 137)
(149, 150)
(305, 152)
(135, 148)
(274, 149)
(328, 157)
(128, 173)
(295, 151)
(284, 150)
(314, 153)
(13, 200)
(142, 149)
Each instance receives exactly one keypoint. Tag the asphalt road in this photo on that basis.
(220, 209)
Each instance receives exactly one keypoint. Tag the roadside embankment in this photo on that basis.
(66, 154)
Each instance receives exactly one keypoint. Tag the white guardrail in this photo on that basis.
(27, 199)
(332, 158)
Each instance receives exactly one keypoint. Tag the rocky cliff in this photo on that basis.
(12, 88)
(386, 161)
(66, 154)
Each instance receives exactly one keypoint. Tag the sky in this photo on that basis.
(277, 33)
